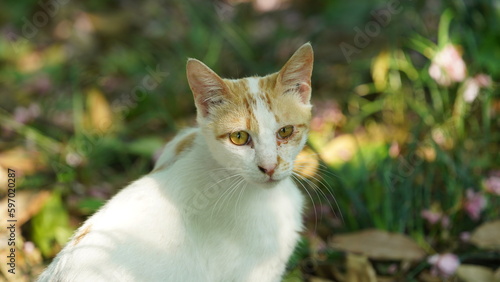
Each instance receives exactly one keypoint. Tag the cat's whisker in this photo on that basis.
(242, 189)
(304, 160)
(217, 183)
(245, 184)
(329, 189)
(229, 192)
(315, 189)
(303, 155)
(294, 176)
(322, 168)
(321, 179)
(230, 188)
(226, 168)
(235, 188)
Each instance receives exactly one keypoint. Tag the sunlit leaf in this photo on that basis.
(146, 146)
(339, 150)
(379, 244)
(51, 225)
(359, 269)
(380, 68)
(99, 114)
(294, 276)
(487, 236)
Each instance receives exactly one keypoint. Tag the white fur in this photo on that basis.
(253, 85)
(168, 156)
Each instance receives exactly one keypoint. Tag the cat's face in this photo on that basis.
(255, 126)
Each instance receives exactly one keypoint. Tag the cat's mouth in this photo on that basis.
(271, 180)
(268, 181)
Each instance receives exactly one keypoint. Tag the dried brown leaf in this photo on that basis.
(28, 203)
(21, 160)
(319, 279)
(426, 276)
(378, 244)
(475, 273)
(496, 275)
(487, 236)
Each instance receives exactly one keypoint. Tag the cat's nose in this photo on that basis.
(268, 169)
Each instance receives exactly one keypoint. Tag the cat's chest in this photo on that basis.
(262, 228)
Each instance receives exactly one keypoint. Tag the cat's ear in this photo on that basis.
(208, 88)
(296, 74)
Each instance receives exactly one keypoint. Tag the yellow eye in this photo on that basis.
(239, 138)
(285, 132)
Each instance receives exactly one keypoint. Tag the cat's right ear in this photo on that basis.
(207, 87)
(296, 74)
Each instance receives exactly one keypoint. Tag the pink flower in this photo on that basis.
(474, 204)
(483, 80)
(25, 115)
(445, 221)
(473, 85)
(444, 265)
(431, 216)
(326, 113)
(434, 217)
(447, 66)
(29, 247)
(74, 159)
(392, 269)
(465, 236)
(267, 6)
(492, 185)
(471, 90)
(394, 150)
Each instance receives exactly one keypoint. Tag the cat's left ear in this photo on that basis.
(296, 74)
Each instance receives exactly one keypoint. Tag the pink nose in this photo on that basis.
(269, 169)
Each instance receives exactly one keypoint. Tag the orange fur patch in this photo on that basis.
(185, 143)
(278, 160)
(81, 235)
(180, 147)
(162, 167)
(237, 113)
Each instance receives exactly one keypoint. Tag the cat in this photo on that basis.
(219, 204)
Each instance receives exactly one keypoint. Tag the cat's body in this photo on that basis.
(212, 209)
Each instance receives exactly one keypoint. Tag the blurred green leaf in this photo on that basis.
(89, 206)
(146, 146)
(444, 28)
(51, 228)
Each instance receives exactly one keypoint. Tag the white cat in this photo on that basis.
(220, 204)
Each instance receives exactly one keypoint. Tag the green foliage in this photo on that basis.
(90, 205)
(51, 225)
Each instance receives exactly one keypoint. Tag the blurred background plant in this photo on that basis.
(406, 125)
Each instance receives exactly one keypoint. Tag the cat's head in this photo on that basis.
(255, 126)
